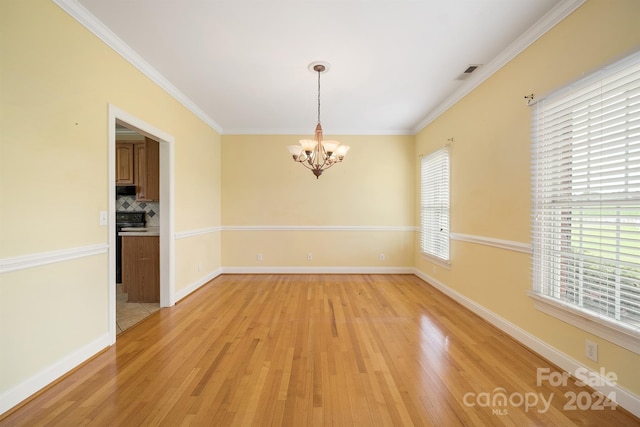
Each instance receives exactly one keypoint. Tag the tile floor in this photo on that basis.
(130, 313)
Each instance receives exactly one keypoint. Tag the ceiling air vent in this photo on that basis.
(466, 73)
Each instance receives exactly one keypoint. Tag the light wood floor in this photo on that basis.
(301, 350)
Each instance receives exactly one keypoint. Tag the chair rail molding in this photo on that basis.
(490, 241)
(317, 228)
(43, 258)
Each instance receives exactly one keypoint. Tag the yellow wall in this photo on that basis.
(490, 179)
(262, 186)
(57, 80)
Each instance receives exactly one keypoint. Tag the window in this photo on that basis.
(434, 204)
(586, 196)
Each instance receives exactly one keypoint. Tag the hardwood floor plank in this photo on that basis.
(302, 350)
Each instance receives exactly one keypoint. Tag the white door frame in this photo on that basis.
(167, 226)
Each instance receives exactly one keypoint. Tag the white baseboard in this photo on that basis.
(196, 285)
(22, 391)
(624, 398)
(318, 270)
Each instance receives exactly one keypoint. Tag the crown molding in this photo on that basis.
(90, 22)
(552, 18)
(547, 22)
(309, 131)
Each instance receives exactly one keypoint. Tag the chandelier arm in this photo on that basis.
(306, 165)
(323, 166)
(326, 164)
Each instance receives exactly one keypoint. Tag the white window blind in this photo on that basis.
(586, 195)
(434, 204)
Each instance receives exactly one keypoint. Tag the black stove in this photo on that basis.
(130, 219)
(124, 219)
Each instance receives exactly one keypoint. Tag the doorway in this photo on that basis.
(120, 118)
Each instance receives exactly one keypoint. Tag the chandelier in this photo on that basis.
(316, 154)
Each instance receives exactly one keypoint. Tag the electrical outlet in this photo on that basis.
(199, 266)
(309, 256)
(591, 350)
(381, 257)
(259, 256)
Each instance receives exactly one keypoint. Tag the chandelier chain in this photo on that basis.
(318, 96)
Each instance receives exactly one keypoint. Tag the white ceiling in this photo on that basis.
(242, 64)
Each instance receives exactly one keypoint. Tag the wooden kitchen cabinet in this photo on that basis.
(147, 170)
(124, 163)
(141, 268)
(138, 163)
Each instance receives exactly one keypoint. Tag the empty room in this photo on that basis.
(392, 213)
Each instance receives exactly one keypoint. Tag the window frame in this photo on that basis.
(435, 179)
(547, 297)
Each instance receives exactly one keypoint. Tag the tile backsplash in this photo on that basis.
(129, 203)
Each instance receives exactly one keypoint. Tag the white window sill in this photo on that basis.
(438, 261)
(601, 326)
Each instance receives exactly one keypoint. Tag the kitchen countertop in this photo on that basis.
(137, 231)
